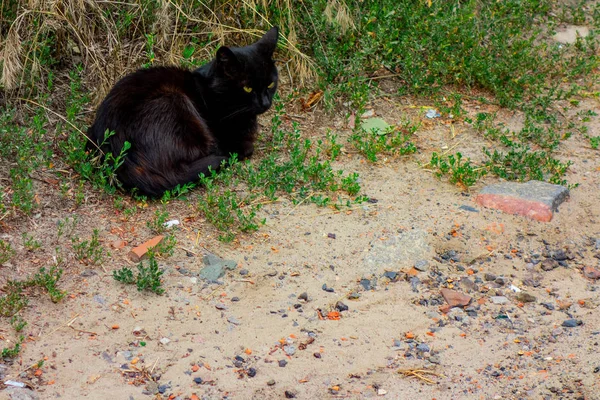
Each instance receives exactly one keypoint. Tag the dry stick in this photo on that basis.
(64, 119)
(419, 374)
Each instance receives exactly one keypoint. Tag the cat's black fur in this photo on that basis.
(181, 122)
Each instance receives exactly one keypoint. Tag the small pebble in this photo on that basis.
(572, 323)
(282, 363)
(499, 300)
(525, 297)
(233, 320)
(354, 296)
(290, 350)
(341, 306)
(489, 277)
(331, 235)
(220, 306)
(303, 296)
(391, 275)
(198, 380)
(290, 394)
(251, 372)
(366, 284)
(422, 265)
(243, 272)
(423, 347)
(317, 355)
(548, 306)
(327, 289)
(235, 299)
(271, 382)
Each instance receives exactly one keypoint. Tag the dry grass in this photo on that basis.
(110, 38)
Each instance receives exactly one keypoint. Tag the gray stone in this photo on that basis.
(572, 323)
(422, 265)
(233, 320)
(215, 268)
(499, 300)
(401, 250)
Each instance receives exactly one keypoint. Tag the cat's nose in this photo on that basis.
(265, 103)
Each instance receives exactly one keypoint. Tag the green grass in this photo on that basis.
(148, 277)
(89, 251)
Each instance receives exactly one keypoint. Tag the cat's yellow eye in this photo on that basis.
(272, 85)
(247, 89)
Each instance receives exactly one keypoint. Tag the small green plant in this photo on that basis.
(18, 323)
(66, 227)
(48, 279)
(6, 251)
(12, 352)
(460, 171)
(30, 242)
(389, 140)
(594, 142)
(157, 223)
(89, 251)
(13, 301)
(147, 278)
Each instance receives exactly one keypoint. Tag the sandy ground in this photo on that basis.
(107, 340)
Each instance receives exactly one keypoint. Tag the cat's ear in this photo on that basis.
(227, 61)
(267, 44)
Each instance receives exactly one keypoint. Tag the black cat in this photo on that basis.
(179, 122)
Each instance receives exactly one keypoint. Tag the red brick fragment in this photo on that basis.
(139, 252)
(454, 298)
(532, 209)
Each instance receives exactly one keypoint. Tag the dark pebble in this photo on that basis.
(327, 289)
(271, 382)
(240, 358)
(297, 306)
(282, 363)
(235, 298)
(596, 370)
(317, 355)
(290, 394)
(251, 372)
(572, 323)
(331, 235)
(354, 296)
(163, 388)
(372, 200)
(303, 296)
(341, 306)
(198, 380)
(366, 284)
(548, 306)
(468, 208)
(391, 275)
(243, 272)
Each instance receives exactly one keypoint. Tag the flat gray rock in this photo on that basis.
(396, 252)
(215, 267)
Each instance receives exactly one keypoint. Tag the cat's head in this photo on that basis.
(246, 77)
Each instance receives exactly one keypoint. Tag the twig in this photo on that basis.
(188, 250)
(419, 374)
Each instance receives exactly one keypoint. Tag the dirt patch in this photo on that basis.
(274, 326)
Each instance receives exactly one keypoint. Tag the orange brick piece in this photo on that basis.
(139, 252)
(534, 199)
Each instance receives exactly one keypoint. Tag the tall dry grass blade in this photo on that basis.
(11, 56)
